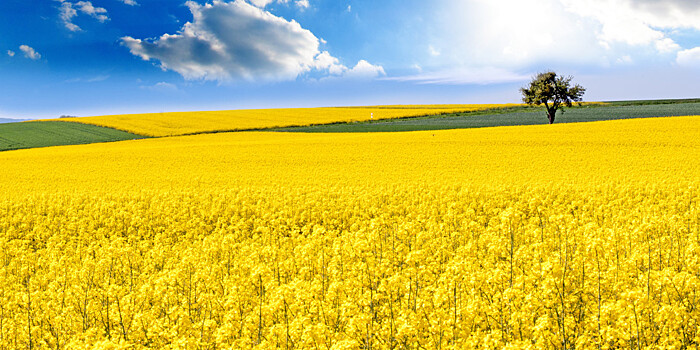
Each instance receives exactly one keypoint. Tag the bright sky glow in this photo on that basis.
(119, 56)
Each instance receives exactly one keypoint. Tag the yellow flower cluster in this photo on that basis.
(536, 237)
(183, 123)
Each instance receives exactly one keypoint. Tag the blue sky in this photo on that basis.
(126, 56)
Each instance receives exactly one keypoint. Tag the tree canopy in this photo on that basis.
(553, 92)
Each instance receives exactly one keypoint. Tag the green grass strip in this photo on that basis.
(516, 116)
(55, 133)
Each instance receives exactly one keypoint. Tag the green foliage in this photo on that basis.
(553, 92)
(55, 133)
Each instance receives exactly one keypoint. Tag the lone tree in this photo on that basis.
(553, 92)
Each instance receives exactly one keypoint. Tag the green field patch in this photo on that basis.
(56, 133)
(516, 116)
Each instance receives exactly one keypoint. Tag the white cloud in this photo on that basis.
(68, 11)
(130, 2)
(29, 52)
(365, 70)
(324, 61)
(689, 58)
(362, 70)
(302, 4)
(87, 8)
(666, 45)
(515, 34)
(667, 13)
(261, 3)
(212, 46)
(512, 34)
(349, 9)
(10, 53)
(484, 75)
(236, 40)
(632, 22)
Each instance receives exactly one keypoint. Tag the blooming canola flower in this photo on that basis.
(535, 237)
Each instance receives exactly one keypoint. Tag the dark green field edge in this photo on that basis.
(56, 133)
(515, 116)
(653, 102)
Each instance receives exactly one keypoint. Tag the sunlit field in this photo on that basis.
(182, 123)
(532, 237)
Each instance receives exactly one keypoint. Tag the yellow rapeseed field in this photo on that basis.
(184, 123)
(561, 236)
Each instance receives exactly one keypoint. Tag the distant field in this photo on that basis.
(54, 133)
(516, 116)
(385, 118)
(187, 123)
(388, 118)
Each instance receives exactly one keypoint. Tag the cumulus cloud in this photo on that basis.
(665, 14)
(514, 34)
(324, 61)
(232, 41)
(261, 3)
(130, 2)
(29, 52)
(364, 70)
(236, 40)
(666, 45)
(635, 22)
(68, 11)
(689, 58)
(10, 53)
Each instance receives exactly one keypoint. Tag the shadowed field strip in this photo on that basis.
(518, 117)
(54, 133)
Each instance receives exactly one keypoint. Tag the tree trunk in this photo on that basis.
(550, 114)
